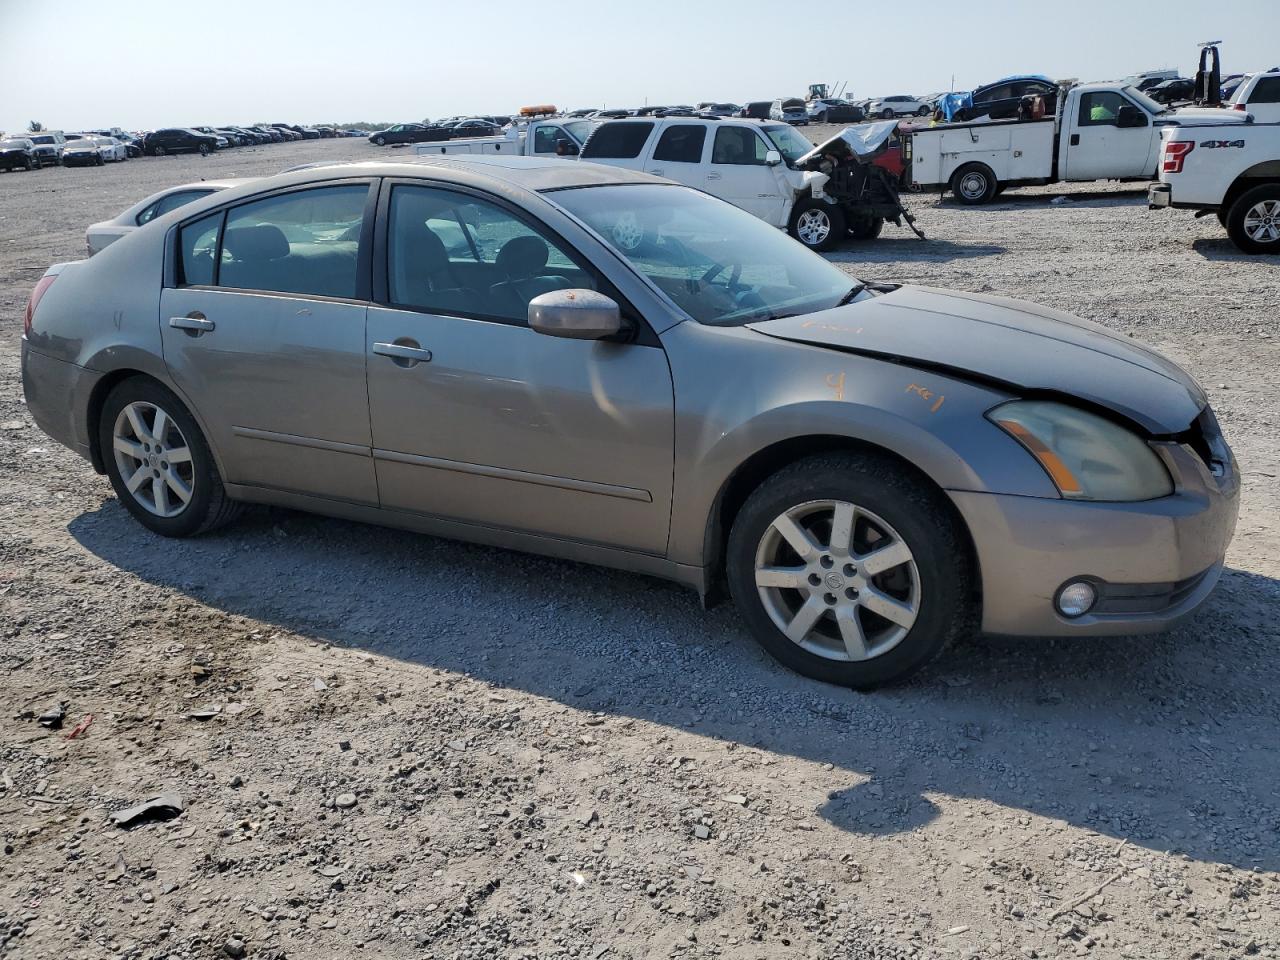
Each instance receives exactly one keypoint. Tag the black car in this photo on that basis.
(1002, 100)
(474, 127)
(835, 110)
(756, 109)
(178, 140)
(409, 133)
(286, 131)
(1173, 91)
(18, 153)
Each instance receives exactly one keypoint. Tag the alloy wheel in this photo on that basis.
(837, 580)
(153, 459)
(1262, 222)
(813, 227)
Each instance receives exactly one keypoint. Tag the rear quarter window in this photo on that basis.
(617, 141)
(1267, 91)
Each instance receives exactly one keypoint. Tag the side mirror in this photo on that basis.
(1130, 117)
(575, 314)
(772, 158)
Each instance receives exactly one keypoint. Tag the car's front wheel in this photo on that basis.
(851, 570)
(379, 141)
(159, 463)
(887, 113)
(817, 224)
(923, 111)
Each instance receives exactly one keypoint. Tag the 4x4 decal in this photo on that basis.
(1216, 144)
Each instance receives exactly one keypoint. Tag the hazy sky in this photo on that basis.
(140, 64)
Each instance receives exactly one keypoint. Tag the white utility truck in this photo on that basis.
(1231, 169)
(537, 138)
(1102, 131)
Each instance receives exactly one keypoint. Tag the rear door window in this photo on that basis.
(305, 242)
(681, 143)
(617, 141)
(1267, 91)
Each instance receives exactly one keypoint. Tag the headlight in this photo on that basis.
(1086, 456)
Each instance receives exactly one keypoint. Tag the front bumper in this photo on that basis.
(1152, 562)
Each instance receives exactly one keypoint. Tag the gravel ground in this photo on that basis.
(407, 747)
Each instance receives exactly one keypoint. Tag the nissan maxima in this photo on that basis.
(463, 347)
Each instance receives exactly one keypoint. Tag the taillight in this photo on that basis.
(1240, 106)
(43, 284)
(1175, 154)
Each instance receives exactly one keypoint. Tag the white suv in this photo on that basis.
(890, 107)
(1259, 94)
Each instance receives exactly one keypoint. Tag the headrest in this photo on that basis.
(265, 241)
(523, 256)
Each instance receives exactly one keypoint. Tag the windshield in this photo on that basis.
(790, 144)
(719, 264)
(1147, 103)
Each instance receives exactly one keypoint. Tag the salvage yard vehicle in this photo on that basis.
(1102, 131)
(1259, 96)
(790, 110)
(834, 110)
(456, 346)
(819, 195)
(93, 151)
(103, 234)
(408, 133)
(548, 138)
(48, 147)
(18, 153)
(898, 106)
(178, 140)
(1230, 169)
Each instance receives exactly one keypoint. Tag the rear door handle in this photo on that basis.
(713, 176)
(195, 321)
(1075, 140)
(405, 354)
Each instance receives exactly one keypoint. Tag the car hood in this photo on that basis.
(1024, 348)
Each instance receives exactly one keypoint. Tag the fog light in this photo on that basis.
(1076, 598)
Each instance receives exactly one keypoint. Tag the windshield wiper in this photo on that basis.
(856, 289)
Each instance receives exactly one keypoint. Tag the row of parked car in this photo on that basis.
(52, 148)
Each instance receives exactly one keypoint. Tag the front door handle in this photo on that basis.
(713, 176)
(194, 323)
(405, 353)
(656, 173)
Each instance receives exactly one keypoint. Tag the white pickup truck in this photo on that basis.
(1228, 168)
(538, 138)
(1102, 131)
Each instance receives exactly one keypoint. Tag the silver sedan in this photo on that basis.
(462, 347)
(99, 235)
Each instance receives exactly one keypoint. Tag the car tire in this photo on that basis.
(1253, 222)
(923, 112)
(102, 161)
(204, 149)
(887, 113)
(928, 591)
(31, 164)
(137, 403)
(379, 141)
(974, 184)
(157, 151)
(817, 224)
(866, 228)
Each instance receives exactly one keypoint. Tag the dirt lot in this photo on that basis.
(425, 749)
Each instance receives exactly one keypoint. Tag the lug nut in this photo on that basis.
(814, 579)
(830, 598)
(828, 563)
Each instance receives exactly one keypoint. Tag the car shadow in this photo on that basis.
(1090, 733)
(1221, 248)
(907, 246)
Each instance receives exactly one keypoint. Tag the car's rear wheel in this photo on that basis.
(817, 224)
(974, 184)
(1253, 222)
(850, 570)
(159, 463)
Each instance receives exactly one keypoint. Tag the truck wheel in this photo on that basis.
(816, 224)
(1253, 222)
(865, 228)
(974, 184)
